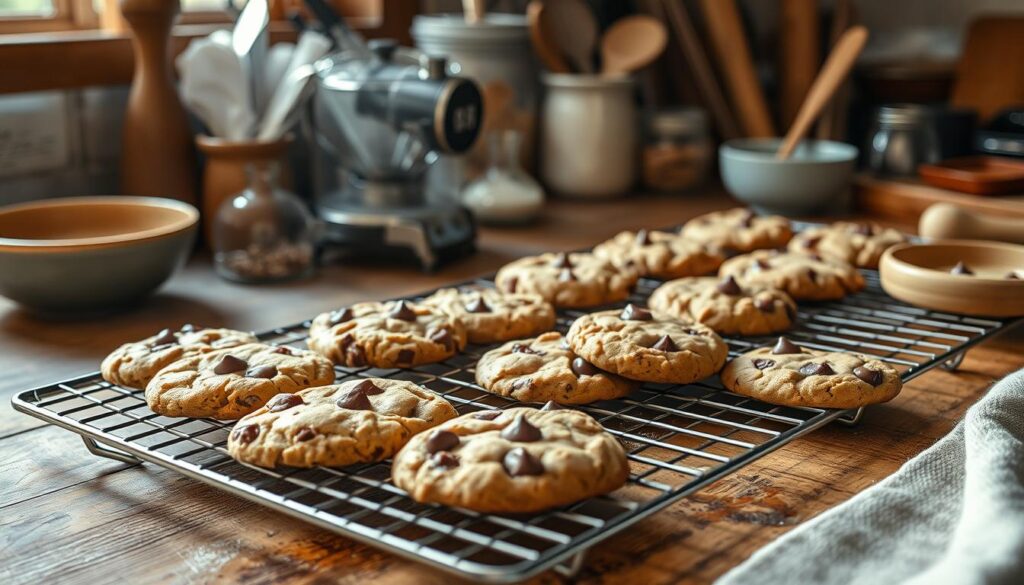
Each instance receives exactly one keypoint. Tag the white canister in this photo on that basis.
(588, 135)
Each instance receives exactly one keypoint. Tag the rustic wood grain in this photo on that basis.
(69, 516)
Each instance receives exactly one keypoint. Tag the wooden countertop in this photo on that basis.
(66, 512)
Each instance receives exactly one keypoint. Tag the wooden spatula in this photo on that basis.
(837, 67)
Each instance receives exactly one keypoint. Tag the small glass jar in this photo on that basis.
(505, 193)
(265, 233)
(901, 138)
(677, 152)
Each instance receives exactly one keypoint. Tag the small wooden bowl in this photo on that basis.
(919, 274)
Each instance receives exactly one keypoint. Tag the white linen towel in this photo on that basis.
(953, 514)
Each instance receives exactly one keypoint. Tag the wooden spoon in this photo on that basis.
(574, 31)
(542, 39)
(631, 44)
(833, 73)
(474, 10)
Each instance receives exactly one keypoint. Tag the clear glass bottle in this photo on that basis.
(265, 233)
(902, 136)
(505, 193)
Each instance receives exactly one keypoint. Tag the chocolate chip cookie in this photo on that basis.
(359, 421)
(805, 278)
(230, 383)
(725, 305)
(660, 254)
(860, 244)
(394, 334)
(739, 230)
(513, 461)
(490, 315)
(134, 364)
(789, 375)
(574, 279)
(640, 345)
(543, 369)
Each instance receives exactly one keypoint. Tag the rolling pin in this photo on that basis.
(946, 221)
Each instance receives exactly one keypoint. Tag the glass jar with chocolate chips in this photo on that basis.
(263, 234)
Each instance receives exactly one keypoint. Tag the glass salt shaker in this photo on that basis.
(265, 233)
(505, 193)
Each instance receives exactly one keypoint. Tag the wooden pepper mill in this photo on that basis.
(158, 156)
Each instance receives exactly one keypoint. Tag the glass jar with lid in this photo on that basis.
(264, 233)
(902, 136)
(677, 152)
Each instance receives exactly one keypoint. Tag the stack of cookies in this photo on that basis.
(291, 412)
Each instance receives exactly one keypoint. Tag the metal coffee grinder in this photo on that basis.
(381, 114)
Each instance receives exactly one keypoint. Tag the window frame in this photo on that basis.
(67, 15)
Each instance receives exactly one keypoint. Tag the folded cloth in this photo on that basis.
(953, 514)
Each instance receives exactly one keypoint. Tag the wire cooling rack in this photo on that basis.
(678, 438)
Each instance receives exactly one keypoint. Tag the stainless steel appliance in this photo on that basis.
(381, 114)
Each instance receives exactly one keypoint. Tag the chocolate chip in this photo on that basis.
(261, 372)
(873, 377)
(478, 305)
(765, 305)
(864, 229)
(643, 238)
(405, 356)
(582, 367)
(812, 274)
(444, 459)
(248, 401)
(165, 337)
(666, 344)
(729, 286)
(353, 399)
(566, 275)
(355, 356)
(519, 462)
(441, 441)
(229, 364)
(341, 316)
(763, 363)
(520, 348)
(562, 261)
(511, 283)
(444, 337)
(552, 405)
(368, 387)
(284, 402)
(283, 350)
(784, 346)
(811, 242)
(635, 313)
(1012, 275)
(812, 369)
(521, 431)
(521, 383)
(305, 434)
(245, 433)
(403, 311)
(487, 414)
(961, 268)
(762, 264)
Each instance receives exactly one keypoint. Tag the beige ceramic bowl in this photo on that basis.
(91, 253)
(919, 274)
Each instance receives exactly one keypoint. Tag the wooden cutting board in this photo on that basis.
(904, 200)
(989, 76)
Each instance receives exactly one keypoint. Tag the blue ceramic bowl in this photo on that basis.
(85, 254)
(815, 179)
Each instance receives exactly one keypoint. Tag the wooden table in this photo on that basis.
(66, 513)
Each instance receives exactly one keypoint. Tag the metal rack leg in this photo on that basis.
(954, 362)
(572, 567)
(101, 451)
(851, 418)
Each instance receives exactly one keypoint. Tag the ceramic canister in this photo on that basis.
(588, 135)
